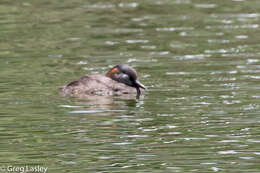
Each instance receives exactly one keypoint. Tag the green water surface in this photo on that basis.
(198, 58)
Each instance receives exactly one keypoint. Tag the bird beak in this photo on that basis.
(139, 84)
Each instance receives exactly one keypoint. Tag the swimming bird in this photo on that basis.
(119, 80)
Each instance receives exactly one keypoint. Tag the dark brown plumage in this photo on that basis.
(119, 80)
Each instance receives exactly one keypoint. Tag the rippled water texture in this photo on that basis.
(198, 58)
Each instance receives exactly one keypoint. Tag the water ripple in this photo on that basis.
(174, 29)
(186, 57)
(137, 41)
(128, 5)
(100, 6)
(205, 5)
(248, 26)
(93, 111)
(228, 152)
(128, 30)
